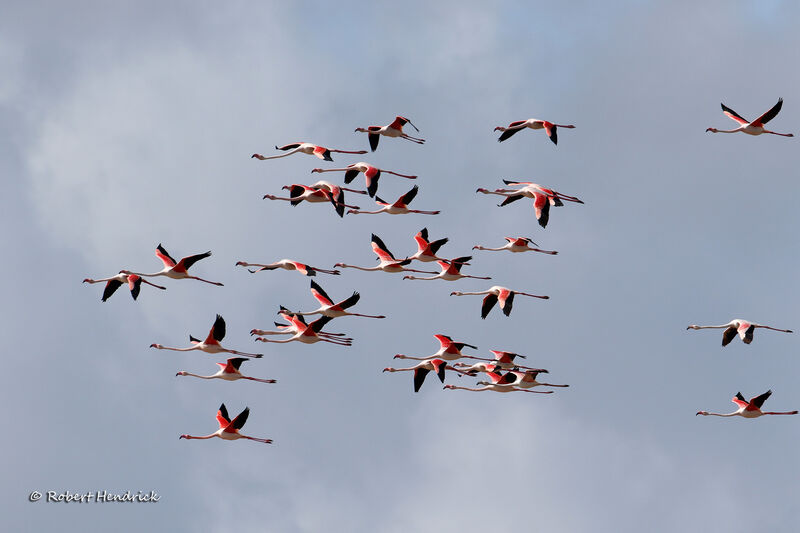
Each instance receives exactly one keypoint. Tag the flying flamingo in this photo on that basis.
(755, 127)
(294, 327)
(309, 333)
(395, 129)
(744, 328)
(387, 261)
(496, 385)
(748, 409)
(497, 294)
(475, 368)
(451, 270)
(336, 194)
(505, 360)
(399, 207)
(211, 344)
(371, 174)
(307, 148)
(526, 380)
(331, 309)
(516, 245)
(229, 371)
(115, 282)
(449, 350)
(298, 193)
(288, 264)
(553, 196)
(173, 269)
(421, 370)
(541, 202)
(426, 250)
(229, 430)
(533, 123)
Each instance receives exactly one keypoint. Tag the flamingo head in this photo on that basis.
(399, 356)
(181, 373)
(388, 369)
(704, 413)
(155, 346)
(183, 437)
(87, 280)
(712, 130)
(692, 327)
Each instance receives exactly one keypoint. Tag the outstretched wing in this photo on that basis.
(351, 301)
(409, 196)
(734, 115)
(321, 296)
(319, 323)
(217, 332)
(167, 259)
(111, 287)
(240, 419)
(187, 262)
(769, 115)
(759, 400)
(380, 249)
(488, 303)
(728, 335)
(373, 140)
(419, 377)
(222, 416)
(135, 285)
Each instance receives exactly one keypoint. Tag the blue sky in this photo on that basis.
(130, 126)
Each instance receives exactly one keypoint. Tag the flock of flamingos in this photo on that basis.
(503, 372)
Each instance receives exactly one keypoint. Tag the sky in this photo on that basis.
(131, 125)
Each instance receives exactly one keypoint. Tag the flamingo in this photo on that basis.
(451, 270)
(496, 385)
(309, 333)
(298, 193)
(516, 245)
(229, 371)
(388, 263)
(526, 380)
(449, 350)
(334, 310)
(755, 127)
(421, 370)
(173, 269)
(748, 409)
(229, 429)
(288, 264)
(307, 148)
(426, 250)
(550, 128)
(371, 174)
(395, 129)
(505, 360)
(497, 294)
(211, 344)
(543, 198)
(294, 327)
(475, 368)
(399, 207)
(115, 282)
(744, 328)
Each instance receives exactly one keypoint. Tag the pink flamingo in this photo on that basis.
(299, 193)
(334, 310)
(421, 370)
(229, 429)
(371, 174)
(497, 294)
(115, 282)
(755, 127)
(399, 207)
(288, 264)
(426, 250)
(229, 371)
(211, 344)
(748, 409)
(308, 333)
(451, 270)
(173, 269)
(395, 129)
(307, 148)
(516, 245)
(550, 128)
(449, 350)
(744, 328)
(388, 263)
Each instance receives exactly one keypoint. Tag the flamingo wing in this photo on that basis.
(233, 364)
(319, 323)
(506, 299)
(380, 249)
(733, 115)
(769, 115)
(409, 196)
(419, 377)
(286, 147)
(739, 400)
(320, 295)
(728, 335)
(374, 138)
(135, 285)
(187, 262)
(217, 332)
(350, 302)
(350, 175)
(111, 287)
(162, 254)
(488, 302)
(746, 332)
(759, 400)
(510, 199)
(241, 418)
(222, 416)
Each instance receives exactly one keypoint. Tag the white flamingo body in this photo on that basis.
(387, 263)
(449, 350)
(399, 207)
(756, 127)
(308, 333)
(421, 370)
(451, 270)
(334, 310)
(426, 250)
(744, 328)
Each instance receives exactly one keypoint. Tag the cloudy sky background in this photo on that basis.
(130, 126)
